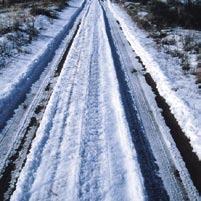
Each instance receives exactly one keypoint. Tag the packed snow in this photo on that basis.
(83, 149)
(18, 76)
(179, 90)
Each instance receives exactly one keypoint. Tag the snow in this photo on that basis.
(16, 78)
(142, 13)
(82, 148)
(42, 22)
(179, 90)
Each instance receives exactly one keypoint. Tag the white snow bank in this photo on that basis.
(179, 90)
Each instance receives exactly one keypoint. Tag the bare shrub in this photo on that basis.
(61, 4)
(144, 23)
(168, 41)
(185, 63)
(174, 52)
(162, 14)
(198, 76)
(31, 29)
(5, 52)
(18, 26)
(199, 57)
(188, 42)
(43, 11)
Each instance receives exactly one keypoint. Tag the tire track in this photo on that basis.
(90, 152)
(23, 87)
(56, 124)
(153, 184)
(16, 160)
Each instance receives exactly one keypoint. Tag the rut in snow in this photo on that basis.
(83, 149)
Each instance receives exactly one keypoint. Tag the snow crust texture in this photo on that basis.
(18, 77)
(82, 149)
(179, 90)
(99, 138)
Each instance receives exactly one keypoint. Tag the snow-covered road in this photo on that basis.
(97, 139)
(83, 149)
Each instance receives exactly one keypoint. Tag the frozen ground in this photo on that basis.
(179, 89)
(83, 149)
(97, 136)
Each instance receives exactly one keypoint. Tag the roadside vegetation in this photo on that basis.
(21, 22)
(174, 26)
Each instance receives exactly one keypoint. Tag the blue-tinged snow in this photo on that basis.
(83, 148)
(18, 76)
(179, 90)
